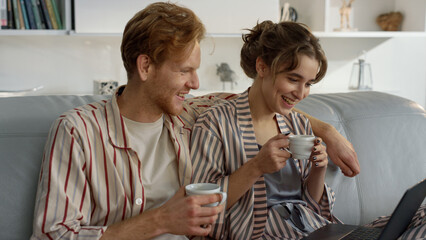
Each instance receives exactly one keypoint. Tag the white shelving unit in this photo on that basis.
(226, 19)
(93, 28)
(221, 17)
(322, 16)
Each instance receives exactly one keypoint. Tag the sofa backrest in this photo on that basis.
(388, 133)
(24, 126)
(389, 136)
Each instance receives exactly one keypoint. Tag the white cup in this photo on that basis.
(204, 189)
(301, 146)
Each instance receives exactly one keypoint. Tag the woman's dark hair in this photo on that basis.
(279, 44)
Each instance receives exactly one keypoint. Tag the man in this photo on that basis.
(117, 169)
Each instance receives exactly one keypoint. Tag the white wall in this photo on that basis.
(69, 64)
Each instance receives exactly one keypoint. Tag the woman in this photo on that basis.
(240, 144)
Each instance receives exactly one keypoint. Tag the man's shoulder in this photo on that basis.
(211, 99)
(86, 111)
(195, 106)
(202, 103)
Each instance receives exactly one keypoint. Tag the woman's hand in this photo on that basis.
(319, 154)
(272, 157)
(316, 177)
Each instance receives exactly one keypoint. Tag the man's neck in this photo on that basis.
(134, 105)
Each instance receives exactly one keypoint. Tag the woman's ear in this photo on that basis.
(260, 67)
(143, 63)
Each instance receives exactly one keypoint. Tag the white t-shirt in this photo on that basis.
(155, 150)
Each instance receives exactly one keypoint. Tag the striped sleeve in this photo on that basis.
(416, 229)
(63, 204)
(208, 161)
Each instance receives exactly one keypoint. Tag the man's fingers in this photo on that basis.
(201, 230)
(346, 170)
(204, 199)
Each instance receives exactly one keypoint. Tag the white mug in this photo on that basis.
(204, 189)
(301, 146)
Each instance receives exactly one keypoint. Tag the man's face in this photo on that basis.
(170, 82)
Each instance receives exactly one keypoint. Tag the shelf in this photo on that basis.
(40, 32)
(359, 34)
(368, 34)
(97, 34)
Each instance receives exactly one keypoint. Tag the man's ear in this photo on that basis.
(142, 64)
(260, 67)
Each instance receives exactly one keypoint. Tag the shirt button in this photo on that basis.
(138, 201)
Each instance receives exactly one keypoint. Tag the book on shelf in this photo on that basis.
(56, 12)
(10, 22)
(21, 4)
(40, 11)
(46, 14)
(17, 24)
(52, 14)
(21, 16)
(30, 14)
(36, 12)
(3, 14)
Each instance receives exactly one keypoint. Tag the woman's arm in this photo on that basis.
(316, 178)
(270, 158)
(339, 149)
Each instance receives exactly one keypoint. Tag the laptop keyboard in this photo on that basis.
(364, 233)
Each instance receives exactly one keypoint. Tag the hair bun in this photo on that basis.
(255, 33)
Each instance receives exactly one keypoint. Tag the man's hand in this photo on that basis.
(339, 149)
(184, 215)
(342, 153)
(179, 216)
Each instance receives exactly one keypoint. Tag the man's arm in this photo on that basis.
(63, 199)
(180, 216)
(339, 149)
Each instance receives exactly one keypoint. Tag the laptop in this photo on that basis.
(396, 226)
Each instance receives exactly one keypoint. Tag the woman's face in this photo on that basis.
(289, 88)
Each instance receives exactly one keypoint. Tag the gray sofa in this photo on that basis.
(388, 133)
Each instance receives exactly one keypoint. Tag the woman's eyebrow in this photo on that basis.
(295, 75)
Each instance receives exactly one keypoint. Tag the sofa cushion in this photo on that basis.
(24, 126)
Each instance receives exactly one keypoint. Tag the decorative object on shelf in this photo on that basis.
(14, 93)
(345, 12)
(288, 13)
(390, 21)
(104, 87)
(226, 74)
(361, 75)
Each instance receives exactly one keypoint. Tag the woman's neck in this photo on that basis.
(264, 122)
(259, 110)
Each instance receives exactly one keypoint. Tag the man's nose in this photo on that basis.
(194, 82)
